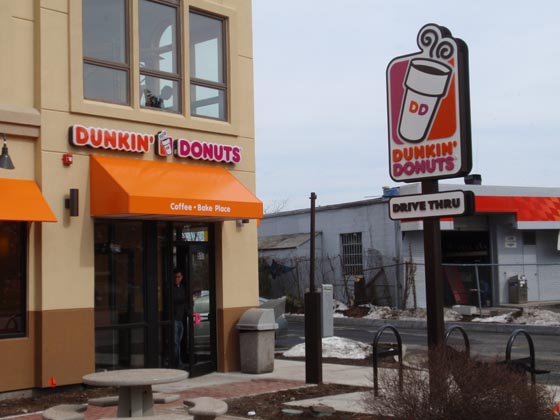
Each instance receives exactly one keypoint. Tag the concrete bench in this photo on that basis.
(159, 398)
(65, 412)
(154, 417)
(205, 408)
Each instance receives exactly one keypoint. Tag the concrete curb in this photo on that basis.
(421, 324)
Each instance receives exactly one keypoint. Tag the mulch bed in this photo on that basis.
(269, 406)
(43, 399)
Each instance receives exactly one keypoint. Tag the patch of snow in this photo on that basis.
(379, 312)
(536, 316)
(339, 306)
(498, 319)
(338, 347)
(530, 316)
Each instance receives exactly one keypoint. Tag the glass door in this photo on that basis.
(192, 261)
(201, 335)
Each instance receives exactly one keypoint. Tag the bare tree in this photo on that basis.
(276, 206)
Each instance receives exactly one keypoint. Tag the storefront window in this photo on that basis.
(105, 50)
(160, 83)
(12, 278)
(119, 294)
(207, 69)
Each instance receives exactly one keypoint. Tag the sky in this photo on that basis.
(320, 92)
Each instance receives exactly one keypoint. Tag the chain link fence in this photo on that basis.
(387, 282)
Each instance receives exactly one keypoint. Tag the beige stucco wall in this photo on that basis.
(40, 98)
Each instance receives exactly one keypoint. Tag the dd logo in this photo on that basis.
(421, 109)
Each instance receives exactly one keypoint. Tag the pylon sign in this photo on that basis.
(428, 109)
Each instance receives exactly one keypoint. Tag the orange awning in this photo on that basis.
(137, 188)
(22, 201)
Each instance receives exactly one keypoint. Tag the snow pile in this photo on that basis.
(341, 348)
(530, 316)
(339, 306)
(498, 319)
(451, 315)
(379, 312)
(384, 312)
(536, 316)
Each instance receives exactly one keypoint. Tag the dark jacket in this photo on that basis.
(179, 301)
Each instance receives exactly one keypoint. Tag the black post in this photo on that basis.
(313, 340)
(434, 274)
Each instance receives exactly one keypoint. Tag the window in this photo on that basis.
(529, 237)
(207, 66)
(13, 278)
(133, 55)
(351, 245)
(106, 65)
(160, 81)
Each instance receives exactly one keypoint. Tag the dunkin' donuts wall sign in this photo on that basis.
(428, 109)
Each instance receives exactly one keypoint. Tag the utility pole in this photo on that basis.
(312, 302)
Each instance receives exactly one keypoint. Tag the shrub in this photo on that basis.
(461, 389)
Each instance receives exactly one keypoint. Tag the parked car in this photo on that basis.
(202, 307)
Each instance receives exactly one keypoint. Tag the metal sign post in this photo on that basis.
(434, 274)
(428, 109)
(312, 302)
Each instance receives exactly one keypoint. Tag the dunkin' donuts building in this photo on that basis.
(130, 126)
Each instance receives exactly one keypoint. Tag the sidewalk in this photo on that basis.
(287, 374)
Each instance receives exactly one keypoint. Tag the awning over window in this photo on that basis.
(22, 201)
(136, 188)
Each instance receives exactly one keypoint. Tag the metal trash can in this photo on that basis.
(517, 289)
(256, 340)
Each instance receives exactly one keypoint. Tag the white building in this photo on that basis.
(514, 232)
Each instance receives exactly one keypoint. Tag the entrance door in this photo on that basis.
(194, 261)
(134, 309)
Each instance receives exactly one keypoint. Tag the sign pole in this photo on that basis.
(312, 302)
(434, 274)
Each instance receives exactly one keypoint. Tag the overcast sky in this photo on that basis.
(320, 92)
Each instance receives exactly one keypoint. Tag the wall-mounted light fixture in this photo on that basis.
(71, 202)
(241, 222)
(5, 160)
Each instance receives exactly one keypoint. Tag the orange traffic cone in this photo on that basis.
(52, 382)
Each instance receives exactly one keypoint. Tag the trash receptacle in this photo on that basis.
(256, 340)
(517, 289)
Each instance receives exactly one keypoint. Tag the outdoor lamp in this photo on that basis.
(71, 203)
(5, 160)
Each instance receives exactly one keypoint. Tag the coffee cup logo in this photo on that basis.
(164, 144)
(426, 83)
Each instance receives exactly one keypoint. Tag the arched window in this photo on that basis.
(160, 81)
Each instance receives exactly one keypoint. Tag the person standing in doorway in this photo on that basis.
(179, 303)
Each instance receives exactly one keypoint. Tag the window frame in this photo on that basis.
(23, 229)
(352, 250)
(126, 67)
(239, 67)
(180, 75)
(223, 87)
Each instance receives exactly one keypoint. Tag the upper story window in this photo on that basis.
(106, 50)
(13, 278)
(352, 257)
(207, 66)
(138, 62)
(160, 80)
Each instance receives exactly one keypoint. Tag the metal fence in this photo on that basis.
(384, 282)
